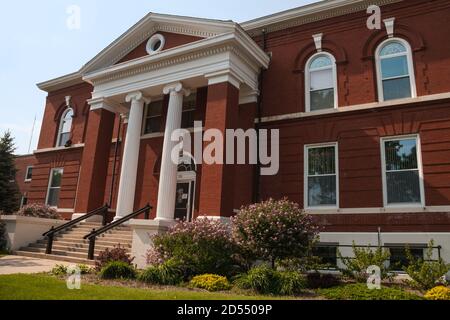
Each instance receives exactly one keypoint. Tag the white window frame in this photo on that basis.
(410, 61)
(26, 174)
(308, 81)
(420, 169)
(306, 176)
(61, 125)
(50, 183)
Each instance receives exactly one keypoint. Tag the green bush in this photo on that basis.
(317, 280)
(266, 280)
(425, 273)
(106, 256)
(59, 270)
(118, 270)
(167, 274)
(360, 291)
(356, 267)
(210, 282)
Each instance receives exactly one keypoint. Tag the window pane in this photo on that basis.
(320, 62)
(322, 191)
(187, 120)
(401, 154)
(153, 125)
(322, 99)
(327, 254)
(321, 161)
(154, 109)
(394, 67)
(56, 179)
(397, 89)
(53, 197)
(398, 258)
(29, 173)
(64, 137)
(392, 48)
(403, 187)
(321, 79)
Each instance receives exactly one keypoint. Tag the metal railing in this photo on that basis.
(50, 235)
(96, 233)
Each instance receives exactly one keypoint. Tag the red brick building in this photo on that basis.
(363, 114)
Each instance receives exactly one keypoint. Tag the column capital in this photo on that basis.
(136, 96)
(101, 103)
(176, 87)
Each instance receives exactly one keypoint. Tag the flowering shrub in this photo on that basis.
(116, 254)
(202, 246)
(426, 273)
(438, 293)
(356, 267)
(210, 282)
(39, 211)
(274, 230)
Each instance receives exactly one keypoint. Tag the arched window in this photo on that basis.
(395, 70)
(65, 127)
(321, 82)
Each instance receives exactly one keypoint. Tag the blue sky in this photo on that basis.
(37, 45)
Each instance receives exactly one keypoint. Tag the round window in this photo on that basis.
(155, 44)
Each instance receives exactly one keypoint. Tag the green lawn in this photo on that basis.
(43, 287)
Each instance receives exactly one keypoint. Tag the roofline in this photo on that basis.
(273, 22)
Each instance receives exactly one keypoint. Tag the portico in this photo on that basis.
(228, 64)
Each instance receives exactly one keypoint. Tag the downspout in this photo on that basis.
(257, 170)
(116, 152)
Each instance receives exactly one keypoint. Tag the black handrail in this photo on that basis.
(95, 233)
(51, 233)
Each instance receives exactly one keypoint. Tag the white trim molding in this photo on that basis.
(318, 41)
(381, 210)
(75, 146)
(389, 23)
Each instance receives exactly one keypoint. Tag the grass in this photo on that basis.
(44, 287)
(360, 291)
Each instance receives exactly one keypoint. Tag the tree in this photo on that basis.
(9, 191)
(275, 230)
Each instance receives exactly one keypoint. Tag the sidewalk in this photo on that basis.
(18, 264)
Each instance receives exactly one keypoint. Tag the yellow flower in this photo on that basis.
(438, 293)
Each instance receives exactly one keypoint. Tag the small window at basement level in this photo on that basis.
(327, 253)
(395, 70)
(29, 174)
(54, 187)
(399, 256)
(24, 201)
(153, 117)
(189, 107)
(321, 176)
(321, 82)
(402, 177)
(65, 128)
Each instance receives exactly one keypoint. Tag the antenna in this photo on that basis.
(32, 133)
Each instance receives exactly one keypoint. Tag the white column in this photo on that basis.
(168, 174)
(128, 175)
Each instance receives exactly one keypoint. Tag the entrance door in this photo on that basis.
(184, 200)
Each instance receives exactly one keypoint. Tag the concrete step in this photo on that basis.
(98, 243)
(109, 237)
(62, 253)
(84, 233)
(54, 257)
(73, 246)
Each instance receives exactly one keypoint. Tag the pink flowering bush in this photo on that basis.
(274, 230)
(199, 247)
(39, 211)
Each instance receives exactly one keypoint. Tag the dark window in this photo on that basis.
(399, 257)
(153, 117)
(29, 174)
(189, 107)
(328, 254)
(24, 201)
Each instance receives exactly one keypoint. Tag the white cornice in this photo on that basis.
(317, 11)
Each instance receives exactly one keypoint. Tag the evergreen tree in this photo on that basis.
(9, 191)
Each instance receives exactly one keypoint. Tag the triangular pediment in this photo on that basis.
(178, 31)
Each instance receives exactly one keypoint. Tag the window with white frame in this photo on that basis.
(29, 174)
(402, 172)
(321, 176)
(65, 128)
(54, 187)
(321, 82)
(153, 117)
(189, 108)
(395, 70)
